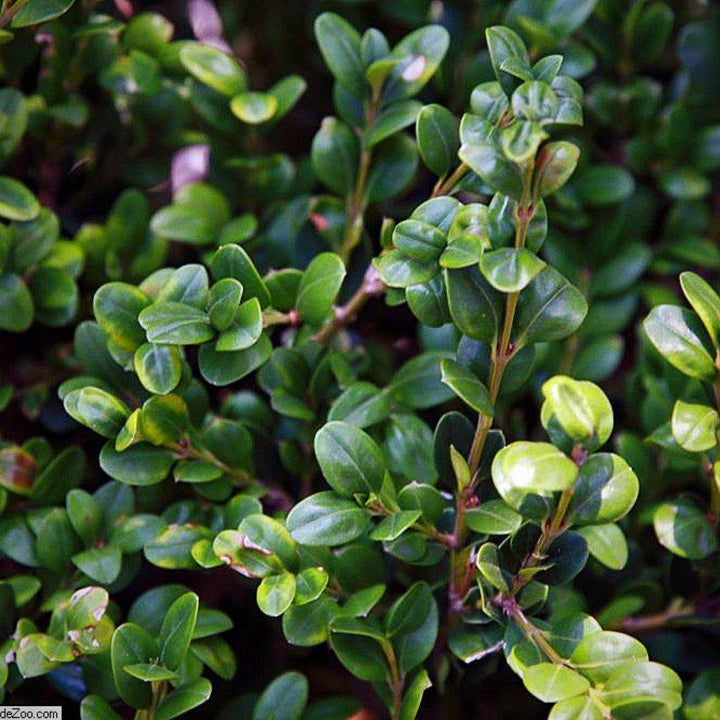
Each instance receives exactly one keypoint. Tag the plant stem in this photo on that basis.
(446, 186)
(657, 621)
(535, 634)
(396, 681)
(501, 356)
(8, 13)
(357, 199)
(371, 286)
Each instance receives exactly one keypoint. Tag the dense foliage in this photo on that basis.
(360, 357)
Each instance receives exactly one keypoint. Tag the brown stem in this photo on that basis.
(396, 682)
(371, 286)
(9, 12)
(533, 633)
(445, 187)
(657, 621)
(357, 199)
(502, 354)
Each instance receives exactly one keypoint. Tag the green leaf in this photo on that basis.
(550, 682)
(217, 654)
(554, 165)
(286, 93)
(410, 706)
(471, 642)
(172, 548)
(486, 159)
(520, 140)
(362, 404)
(309, 585)
(158, 367)
(391, 120)
(247, 557)
(491, 567)
(606, 544)
(340, 47)
(231, 261)
(702, 701)
(150, 672)
(213, 67)
(16, 201)
(467, 386)
(650, 686)
(438, 140)
(524, 468)
(254, 108)
(601, 185)
(327, 518)
(164, 419)
(398, 270)
(676, 335)
(705, 302)
(183, 699)
(245, 332)
(605, 491)
(493, 518)
(86, 607)
(275, 593)
(177, 630)
(284, 698)
(684, 529)
(489, 101)
(509, 269)
(335, 155)
(392, 169)
(535, 101)
(576, 708)
(86, 515)
(97, 409)
(504, 44)
(176, 324)
(17, 302)
(101, 564)
(223, 367)
(196, 471)
(35, 12)
(426, 498)
(694, 427)
(419, 240)
(270, 535)
(475, 306)
(602, 654)
(408, 613)
(31, 661)
(319, 287)
(187, 285)
(357, 645)
(141, 464)
(580, 408)
(132, 645)
(392, 526)
(17, 540)
(307, 625)
(550, 309)
(93, 707)
(223, 302)
(418, 383)
(350, 460)
(117, 306)
(419, 54)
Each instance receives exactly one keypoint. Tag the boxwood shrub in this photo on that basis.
(360, 359)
